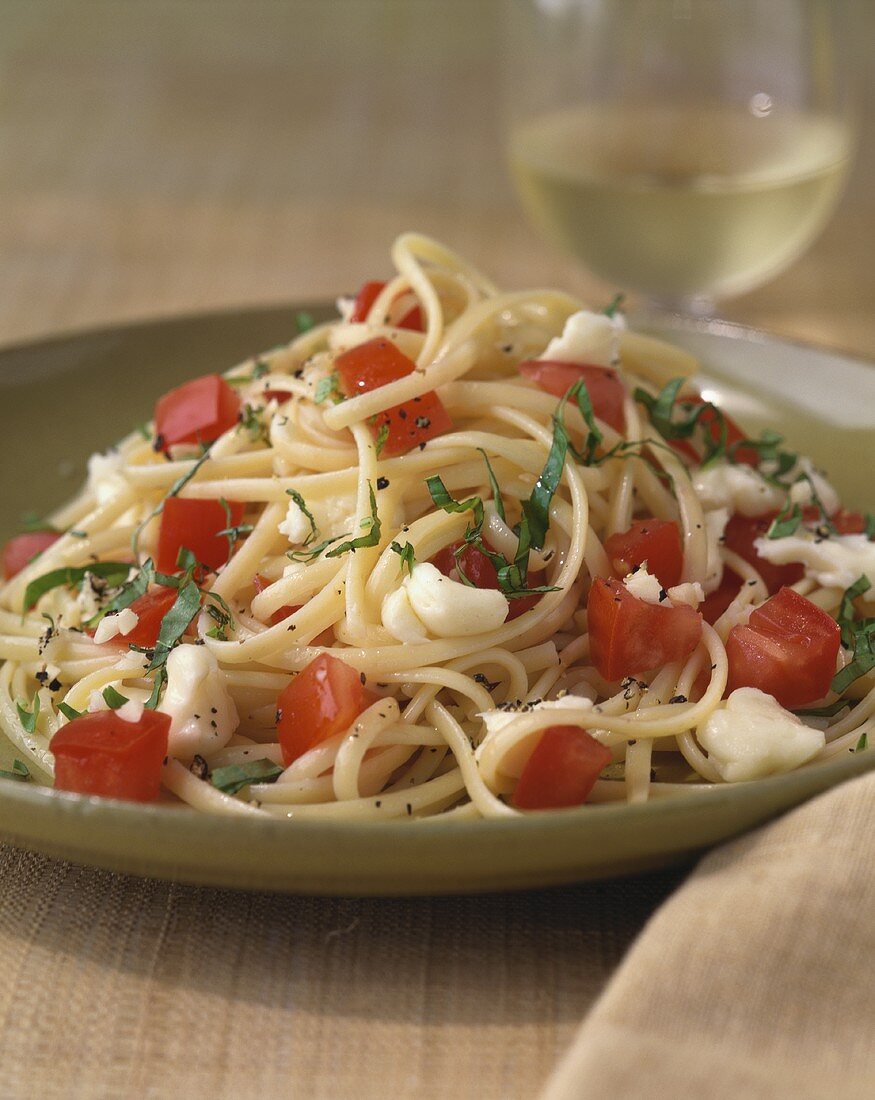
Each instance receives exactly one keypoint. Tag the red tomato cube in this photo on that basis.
(606, 392)
(788, 649)
(103, 754)
(742, 532)
(561, 771)
(194, 524)
(196, 412)
(655, 541)
(21, 549)
(324, 699)
(628, 635)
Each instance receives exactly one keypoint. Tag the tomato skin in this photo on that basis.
(18, 552)
(365, 299)
(196, 412)
(628, 635)
(150, 609)
(324, 699)
(376, 363)
(103, 754)
(716, 602)
(606, 392)
(193, 524)
(482, 573)
(740, 534)
(788, 649)
(655, 541)
(561, 771)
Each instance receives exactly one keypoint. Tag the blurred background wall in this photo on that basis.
(175, 155)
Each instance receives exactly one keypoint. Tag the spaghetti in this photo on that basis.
(467, 499)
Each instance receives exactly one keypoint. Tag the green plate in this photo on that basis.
(61, 399)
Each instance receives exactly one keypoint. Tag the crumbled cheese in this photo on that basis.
(836, 561)
(203, 717)
(110, 626)
(801, 491)
(105, 478)
(500, 718)
(738, 488)
(444, 607)
(644, 586)
(588, 338)
(87, 603)
(751, 736)
(296, 526)
(345, 306)
(689, 593)
(131, 711)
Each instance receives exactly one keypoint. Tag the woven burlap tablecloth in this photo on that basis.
(185, 155)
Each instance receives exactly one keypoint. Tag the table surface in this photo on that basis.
(154, 160)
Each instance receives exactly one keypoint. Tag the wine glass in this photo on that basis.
(686, 149)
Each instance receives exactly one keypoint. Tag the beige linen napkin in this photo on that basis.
(755, 979)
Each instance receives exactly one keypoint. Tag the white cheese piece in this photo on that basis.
(296, 527)
(131, 711)
(110, 626)
(643, 585)
(105, 478)
(738, 488)
(87, 602)
(801, 491)
(203, 717)
(689, 593)
(400, 619)
(499, 719)
(588, 338)
(449, 608)
(751, 736)
(836, 561)
(345, 307)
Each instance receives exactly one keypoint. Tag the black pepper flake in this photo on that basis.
(159, 443)
(678, 699)
(378, 803)
(199, 767)
(409, 809)
(422, 446)
(363, 678)
(382, 483)
(663, 595)
(42, 676)
(213, 710)
(423, 422)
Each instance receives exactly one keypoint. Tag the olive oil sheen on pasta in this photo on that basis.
(681, 203)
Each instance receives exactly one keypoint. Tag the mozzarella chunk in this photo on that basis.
(443, 607)
(296, 527)
(105, 477)
(588, 338)
(802, 491)
(738, 488)
(131, 711)
(751, 736)
(400, 619)
(644, 585)
(836, 561)
(689, 593)
(110, 626)
(203, 717)
(499, 718)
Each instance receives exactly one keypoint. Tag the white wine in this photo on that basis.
(677, 202)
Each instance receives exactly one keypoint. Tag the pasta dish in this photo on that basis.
(459, 551)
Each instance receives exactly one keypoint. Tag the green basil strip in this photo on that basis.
(114, 572)
(235, 777)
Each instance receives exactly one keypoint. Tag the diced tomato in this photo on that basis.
(376, 363)
(482, 573)
(606, 391)
(365, 299)
(848, 523)
(742, 532)
(281, 613)
(787, 649)
(196, 412)
(277, 395)
(194, 524)
(716, 602)
(150, 609)
(710, 423)
(324, 699)
(628, 635)
(561, 771)
(103, 754)
(21, 549)
(655, 541)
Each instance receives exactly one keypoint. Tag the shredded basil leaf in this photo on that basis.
(493, 484)
(869, 525)
(20, 772)
(304, 321)
(406, 554)
(382, 437)
(31, 522)
(327, 387)
(370, 523)
(113, 698)
(173, 626)
(302, 504)
(862, 662)
(662, 410)
(69, 712)
(131, 590)
(29, 717)
(861, 745)
(235, 777)
(615, 304)
(114, 572)
(829, 711)
(173, 491)
(845, 617)
(250, 419)
(313, 551)
(785, 523)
